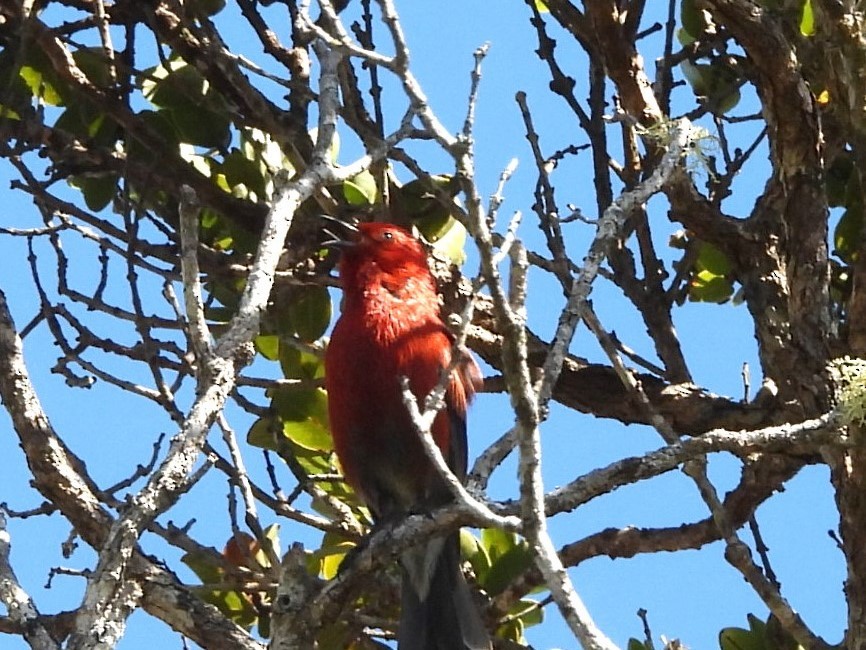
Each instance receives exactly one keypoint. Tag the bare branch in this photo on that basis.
(22, 610)
(198, 330)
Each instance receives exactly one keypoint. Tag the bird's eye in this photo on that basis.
(387, 235)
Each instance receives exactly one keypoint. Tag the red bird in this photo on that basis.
(390, 327)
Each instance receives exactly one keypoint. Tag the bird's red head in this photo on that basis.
(381, 249)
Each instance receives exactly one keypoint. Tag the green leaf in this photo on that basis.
(203, 567)
(712, 259)
(158, 123)
(527, 611)
(225, 234)
(261, 434)
(268, 345)
(41, 85)
(334, 637)
(541, 6)
(260, 147)
(272, 537)
(235, 605)
(506, 567)
(684, 37)
(841, 283)
(695, 22)
(299, 364)
(227, 292)
(755, 638)
(694, 74)
(174, 84)
(718, 83)
(735, 638)
(846, 236)
(422, 204)
(361, 190)
(240, 170)
(498, 542)
(807, 19)
(430, 212)
(312, 461)
(293, 403)
(17, 95)
(452, 242)
(71, 122)
(756, 625)
(837, 179)
(715, 289)
(511, 630)
(200, 126)
(195, 110)
(725, 101)
(711, 280)
(202, 164)
(93, 63)
(98, 191)
(304, 416)
(7, 113)
(206, 8)
(635, 644)
(96, 125)
(310, 312)
(209, 219)
(310, 434)
(86, 121)
(473, 550)
(331, 554)
(331, 562)
(219, 314)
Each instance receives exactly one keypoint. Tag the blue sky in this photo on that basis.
(689, 595)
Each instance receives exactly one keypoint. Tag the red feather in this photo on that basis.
(390, 327)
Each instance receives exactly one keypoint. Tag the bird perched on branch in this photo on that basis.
(390, 328)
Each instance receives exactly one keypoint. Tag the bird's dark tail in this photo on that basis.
(438, 610)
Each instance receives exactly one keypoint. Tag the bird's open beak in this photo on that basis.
(351, 237)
